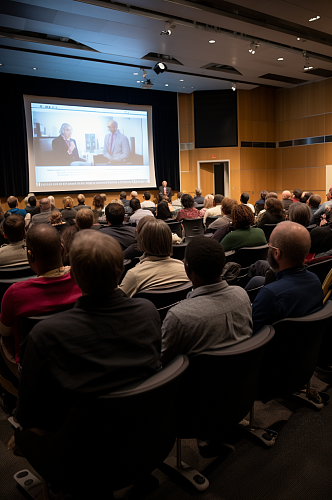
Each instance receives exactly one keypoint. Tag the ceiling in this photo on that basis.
(108, 42)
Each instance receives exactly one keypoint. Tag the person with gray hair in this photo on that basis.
(81, 202)
(45, 212)
(296, 291)
(64, 147)
(104, 342)
(116, 145)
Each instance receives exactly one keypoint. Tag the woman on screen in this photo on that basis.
(65, 150)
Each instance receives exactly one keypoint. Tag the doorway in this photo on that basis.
(213, 176)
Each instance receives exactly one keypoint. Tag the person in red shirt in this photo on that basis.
(53, 290)
(188, 211)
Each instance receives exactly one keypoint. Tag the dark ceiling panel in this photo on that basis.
(284, 79)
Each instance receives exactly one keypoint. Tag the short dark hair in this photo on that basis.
(297, 193)
(98, 201)
(263, 194)
(300, 213)
(115, 213)
(12, 201)
(187, 201)
(244, 198)
(218, 199)
(147, 195)
(123, 195)
(135, 204)
(315, 200)
(163, 211)
(13, 227)
(32, 200)
(205, 257)
(84, 218)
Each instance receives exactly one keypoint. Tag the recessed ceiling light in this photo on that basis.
(34, 68)
(166, 84)
(280, 58)
(314, 18)
(212, 41)
(135, 73)
(298, 38)
(138, 81)
(181, 80)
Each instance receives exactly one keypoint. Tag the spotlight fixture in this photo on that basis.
(160, 68)
(307, 65)
(314, 18)
(169, 27)
(253, 47)
(234, 86)
(143, 72)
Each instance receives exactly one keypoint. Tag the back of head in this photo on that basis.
(163, 211)
(32, 201)
(52, 200)
(218, 199)
(44, 204)
(227, 205)
(286, 195)
(205, 257)
(179, 195)
(14, 228)
(297, 193)
(115, 213)
(12, 201)
(56, 217)
(244, 198)
(123, 195)
(242, 216)
(133, 194)
(135, 204)
(155, 238)
(84, 218)
(274, 206)
(68, 202)
(43, 240)
(81, 198)
(263, 194)
(293, 240)
(300, 213)
(103, 197)
(98, 202)
(147, 195)
(208, 201)
(305, 196)
(198, 192)
(315, 200)
(271, 194)
(96, 261)
(187, 201)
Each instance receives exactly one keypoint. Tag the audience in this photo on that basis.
(56, 220)
(214, 315)
(259, 205)
(31, 203)
(163, 211)
(44, 216)
(13, 229)
(198, 198)
(126, 203)
(296, 291)
(297, 193)
(226, 217)
(156, 269)
(325, 207)
(300, 213)
(105, 341)
(137, 212)
(313, 202)
(124, 234)
(12, 202)
(243, 235)
(286, 199)
(84, 219)
(208, 203)
(81, 202)
(177, 203)
(244, 198)
(52, 290)
(274, 212)
(188, 211)
(98, 205)
(216, 210)
(147, 200)
(68, 212)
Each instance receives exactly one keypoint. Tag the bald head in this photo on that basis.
(286, 195)
(293, 242)
(96, 262)
(45, 204)
(44, 248)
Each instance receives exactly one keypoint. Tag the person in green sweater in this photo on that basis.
(243, 234)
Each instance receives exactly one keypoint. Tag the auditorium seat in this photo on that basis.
(109, 442)
(165, 298)
(16, 271)
(193, 227)
(216, 393)
(175, 227)
(268, 228)
(321, 269)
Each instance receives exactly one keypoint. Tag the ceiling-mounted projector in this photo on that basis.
(147, 84)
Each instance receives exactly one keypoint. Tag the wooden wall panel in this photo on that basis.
(293, 178)
(314, 179)
(328, 95)
(315, 155)
(293, 157)
(186, 118)
(252, 158)
(270, 159)
(328, 123)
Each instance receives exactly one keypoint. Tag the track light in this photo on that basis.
(143, 72)
(234, 86)
(307, 65)
(169, 27)
(160, 68)
(253, 47)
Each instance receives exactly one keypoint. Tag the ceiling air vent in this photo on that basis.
(284, 79)
(223, 68)
(152, 56)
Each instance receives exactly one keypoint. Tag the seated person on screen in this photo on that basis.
(116, 145)
(52, 290)
(104, 342)
(64, 147)
(13, 229)
(214, 315)
(296, 291)
(156, 269)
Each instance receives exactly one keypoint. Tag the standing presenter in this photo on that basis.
(116, 145)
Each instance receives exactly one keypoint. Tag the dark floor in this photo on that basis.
(297, 467)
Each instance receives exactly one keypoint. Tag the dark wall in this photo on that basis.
(13, 151)
(215, 118)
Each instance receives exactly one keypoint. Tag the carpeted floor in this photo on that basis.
(297, 467)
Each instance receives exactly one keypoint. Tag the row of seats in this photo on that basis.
(138, 425)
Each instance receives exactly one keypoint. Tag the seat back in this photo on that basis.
(175, 227)
(165, 296)
(211, 219)
(109, 442)
(253, 293)
(291, 357)
(248, 255)
(321, 269)
(26, 324)
(268, 228)
(193, 227)
(219, 388)
(179, 250)
(16, 271)
(151, 209)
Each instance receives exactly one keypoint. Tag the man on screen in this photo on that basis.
(64, 147)
(116, 145)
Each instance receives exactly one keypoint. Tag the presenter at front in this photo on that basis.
(116, 145)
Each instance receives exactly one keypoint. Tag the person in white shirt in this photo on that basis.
(138, 212)
(147, 201)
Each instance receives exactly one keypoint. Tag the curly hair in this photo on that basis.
(274, 206)
(242, 217)
(187, 201)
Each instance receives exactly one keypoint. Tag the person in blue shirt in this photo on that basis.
(296, 291)
(13, 207)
